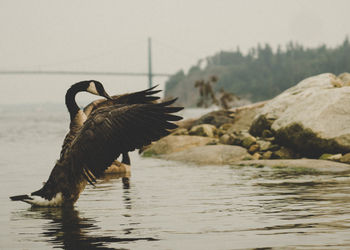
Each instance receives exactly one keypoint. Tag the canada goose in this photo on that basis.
(108, 132)
(78, 118)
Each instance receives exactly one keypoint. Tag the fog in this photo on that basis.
(112, 36)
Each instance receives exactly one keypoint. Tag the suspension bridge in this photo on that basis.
(150, 74)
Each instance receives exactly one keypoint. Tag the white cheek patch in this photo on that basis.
(42, 202)
(92, 89)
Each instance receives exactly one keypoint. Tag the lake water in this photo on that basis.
(169, 205)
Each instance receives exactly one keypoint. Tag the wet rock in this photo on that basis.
(345, 158)
(213, 142)
(337, 83)
(187, 124)
(226, 126)
(171, 143)
(180, 131)
(345, 78)
(267, 155)
(335, 157)
(242, 136)
(311, 117)
(260, 125)
(203, 130)
(254, 148)
(325, 156)
(256, 156)
(227, 139)
(209, 155)
(267, 133)
(248, 141)
(331, 157)
(216, 118)
(220, 132)
(274, 147)
(244, 117)
(284, 153)
(264, 145)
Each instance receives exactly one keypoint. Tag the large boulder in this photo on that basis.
(176, 143)
(210, 155)
(312, 117)
(244, 117)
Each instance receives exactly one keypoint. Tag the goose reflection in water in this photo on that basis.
(64, 228)
(69, 231)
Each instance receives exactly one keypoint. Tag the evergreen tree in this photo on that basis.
(262, 73)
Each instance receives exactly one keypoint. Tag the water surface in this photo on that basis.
(169, 205)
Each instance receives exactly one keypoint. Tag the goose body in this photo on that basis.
(79, 117)
(140, 97)
(100, 137)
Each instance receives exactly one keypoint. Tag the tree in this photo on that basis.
(262, 73)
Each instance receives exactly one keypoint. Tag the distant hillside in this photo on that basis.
(262, 73)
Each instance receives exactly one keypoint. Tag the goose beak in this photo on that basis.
(107, 96)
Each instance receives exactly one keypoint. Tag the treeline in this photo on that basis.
(262, 73)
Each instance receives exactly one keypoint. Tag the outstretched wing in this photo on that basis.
(144, 96)
(112, 130)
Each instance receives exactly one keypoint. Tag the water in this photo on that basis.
(169, 205)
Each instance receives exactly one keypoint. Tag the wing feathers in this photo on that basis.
(144, 96)
(113, 130)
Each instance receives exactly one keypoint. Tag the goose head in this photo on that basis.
(93, 87)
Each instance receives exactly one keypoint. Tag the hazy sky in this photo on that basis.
(112, 36)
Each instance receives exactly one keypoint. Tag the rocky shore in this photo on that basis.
(307, 126)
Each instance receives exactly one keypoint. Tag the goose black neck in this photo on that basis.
(72, 106)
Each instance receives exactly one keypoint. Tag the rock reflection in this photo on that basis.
(125, 176)
(68, 230)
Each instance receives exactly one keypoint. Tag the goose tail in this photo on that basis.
(23, 197)
(40, 201)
